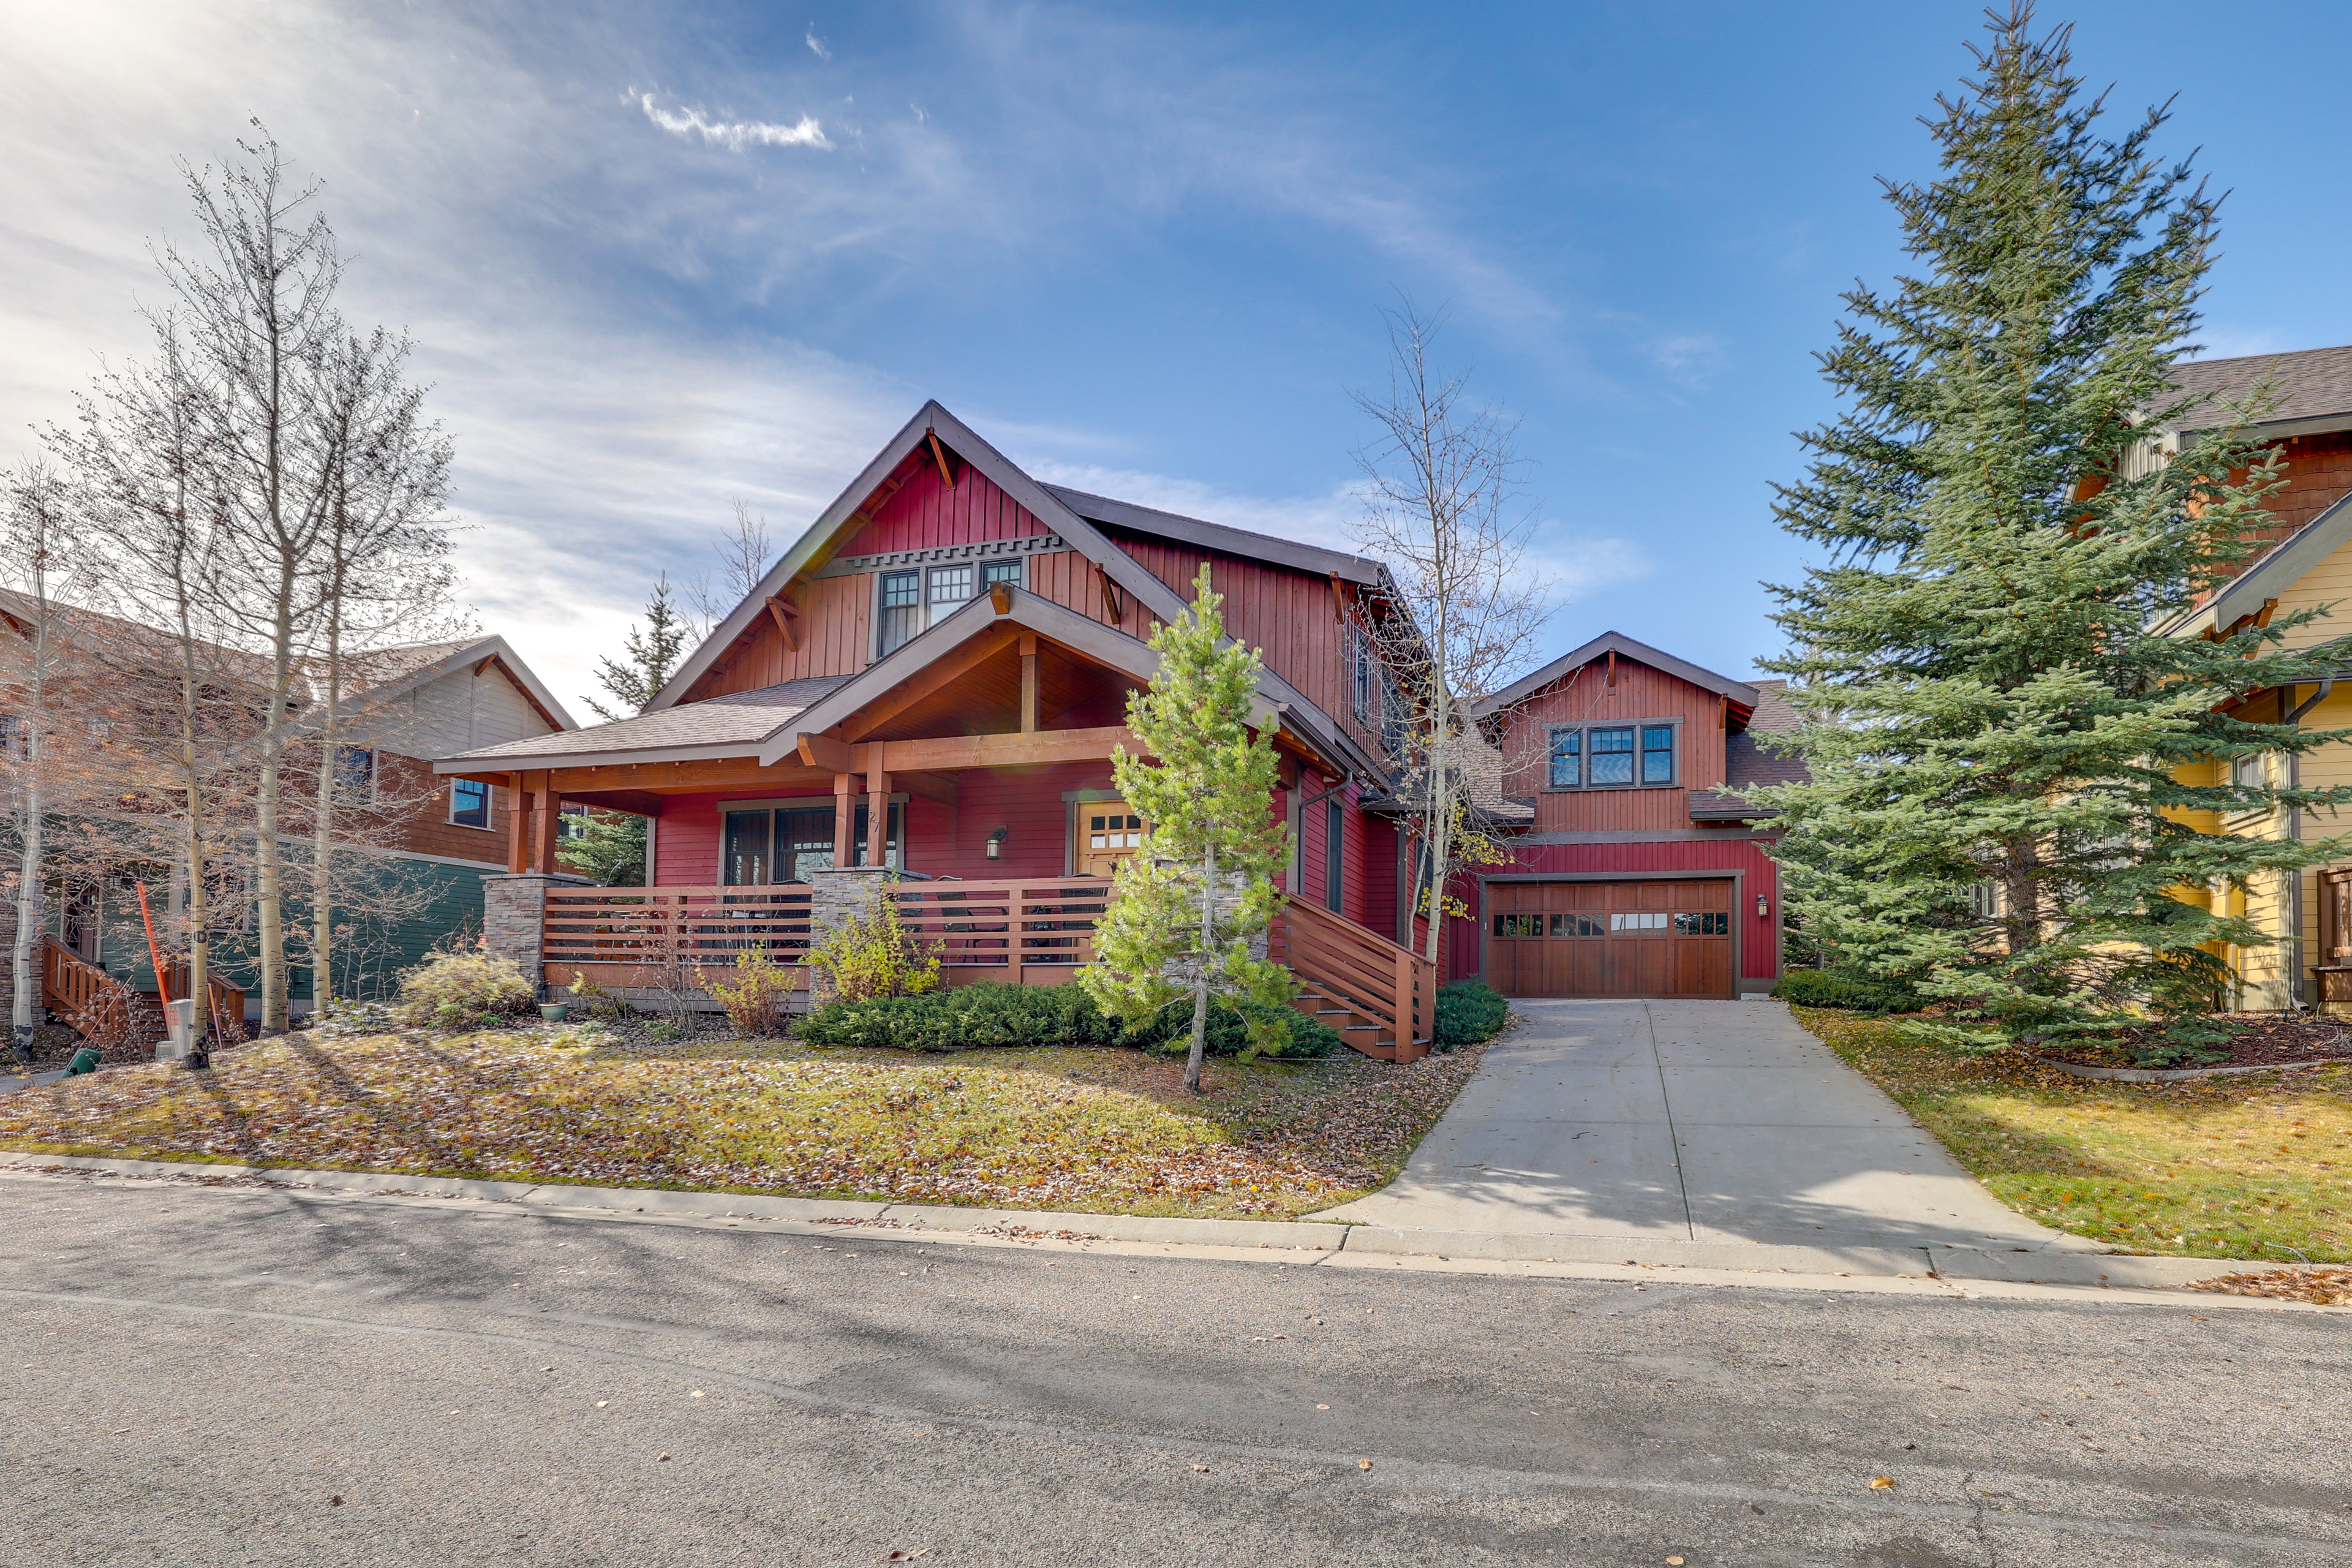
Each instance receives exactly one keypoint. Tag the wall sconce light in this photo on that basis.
(1763, 906)
(996, 844)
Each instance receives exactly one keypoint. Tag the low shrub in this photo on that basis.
(599, 1002)
(1818, 988)
(756, 995)
(874, 955)
(1467, 1012)
(465, 990)
(1169, 1032)
(966, 1017)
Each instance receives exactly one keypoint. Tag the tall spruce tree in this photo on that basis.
(652, 654)
(2007, 731)
(1186, 905)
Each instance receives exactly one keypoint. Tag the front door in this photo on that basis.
(1108, 831)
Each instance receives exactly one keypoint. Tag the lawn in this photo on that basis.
(2258, 1165)
(1094, 1129)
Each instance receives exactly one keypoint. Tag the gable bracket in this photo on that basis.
(940, 453)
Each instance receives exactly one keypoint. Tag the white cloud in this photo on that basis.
(816, 45)
(734, 134)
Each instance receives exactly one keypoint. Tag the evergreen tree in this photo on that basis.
(2006, 733)
(610, 848)
(653, 655)
(1185, 907)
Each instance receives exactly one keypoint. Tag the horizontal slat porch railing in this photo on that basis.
(1383, 998)
(1011, 926)
(671, 935)
(68, 980)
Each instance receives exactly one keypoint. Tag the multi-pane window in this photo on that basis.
(356, 771)
(1113, 831)
(1611, 756)
(2250, 770)
(1637, 920)
(1702, 924)
(1519, 925)
(1576, 925)
(470, 803)
(917, 599)
(760, 847)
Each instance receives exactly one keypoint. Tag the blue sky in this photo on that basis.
(660, 257)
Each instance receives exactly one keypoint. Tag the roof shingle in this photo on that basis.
(740, 717)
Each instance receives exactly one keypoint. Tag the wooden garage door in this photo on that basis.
(1610, 939)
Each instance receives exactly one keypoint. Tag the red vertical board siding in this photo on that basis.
(941, 839)
(1379, 878)
(1595, 694)
(1758, 946)
(925, 513)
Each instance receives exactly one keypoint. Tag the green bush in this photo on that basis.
(1169, 1032)
(458, 990)
(965, 1017)
(1467, 1012)
(1817, 988)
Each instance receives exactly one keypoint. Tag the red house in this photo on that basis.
(931, 679)
(1641, 868)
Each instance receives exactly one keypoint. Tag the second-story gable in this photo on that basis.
(1622, 738)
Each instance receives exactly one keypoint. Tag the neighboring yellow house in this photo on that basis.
(2306, 565)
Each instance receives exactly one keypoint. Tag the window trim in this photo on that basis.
(980, 568)
(1585, 754)
(489, 823)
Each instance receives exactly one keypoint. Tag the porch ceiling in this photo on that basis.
(985, 699)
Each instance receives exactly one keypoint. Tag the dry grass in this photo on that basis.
(1096, 1130)
(2257, 1165)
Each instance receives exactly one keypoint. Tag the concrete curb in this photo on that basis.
(2175, 1075)
(1928, 1262)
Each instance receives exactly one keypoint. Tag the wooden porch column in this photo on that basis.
(878, 805)
(549, 816)
(845, 817)
(1028, 684)
(518, 825)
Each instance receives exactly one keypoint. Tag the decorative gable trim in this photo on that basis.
(978, 550)
(1618, 643)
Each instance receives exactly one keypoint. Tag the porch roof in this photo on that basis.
(729, 726)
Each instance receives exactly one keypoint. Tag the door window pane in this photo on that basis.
(1658, 754)
(1611, 756)
(1716, 924)
(1576, 925)
(902, 608)
(745, 852)
(1114, 831)
(1519, 925)
(1567, 759)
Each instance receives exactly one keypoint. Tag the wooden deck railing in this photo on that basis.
(1386, 994)
(1011, 926)
(618, 933)
(227, 1002)
(68, 981)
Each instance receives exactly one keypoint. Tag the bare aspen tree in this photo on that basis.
(383, 579)
(1445, 512)
(744, 552)
(261, 332)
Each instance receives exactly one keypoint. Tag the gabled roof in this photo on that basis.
(817, 543)
(2280, 567)
(1221, 537)
(397, 671)
(2314, 388)
(1607, 643)
(716, 727)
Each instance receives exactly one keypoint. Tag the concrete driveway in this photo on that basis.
(1672, 1130)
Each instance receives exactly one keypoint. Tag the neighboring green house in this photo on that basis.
(419, 885)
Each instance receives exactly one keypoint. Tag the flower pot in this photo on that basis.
(555, 1012)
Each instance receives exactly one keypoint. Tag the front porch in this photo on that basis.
(966, 776)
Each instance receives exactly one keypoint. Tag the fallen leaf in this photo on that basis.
(1674, 1562)
(1322, 1408)
(1363, 1464)
(334, 1502)
(658, 1459)
(1203, 1468)
(600, 1404)
(698, 1393)
(1881, 1483)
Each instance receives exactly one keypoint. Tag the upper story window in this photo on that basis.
(470, 803)
(2250, 770)
(1612, 756)
(919, 598)
(356, 771)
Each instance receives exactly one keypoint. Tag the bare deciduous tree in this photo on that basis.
(1446, 513)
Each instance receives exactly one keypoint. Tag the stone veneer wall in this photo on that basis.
(837, 896)
(514, 915)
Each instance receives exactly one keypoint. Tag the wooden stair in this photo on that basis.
(1381, 999)
(68, 980)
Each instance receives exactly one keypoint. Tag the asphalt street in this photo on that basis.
(246, 1375)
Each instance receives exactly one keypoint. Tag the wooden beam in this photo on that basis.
(940, 453)
(785, 615)
(878, 805)
(951, 754)
(1028, 684)
(1339, 599)
(547, 816)
(1000, 597)
(518, 823)
(1111, 595)
(941, 672)
(825, 751)
(930, 787)
(844, 817)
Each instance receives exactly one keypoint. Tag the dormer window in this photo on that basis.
(1612, 756)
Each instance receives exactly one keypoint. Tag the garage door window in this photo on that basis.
(1716, 924)
(1576, 925)
(1519, 925)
